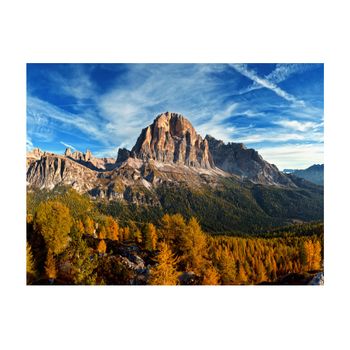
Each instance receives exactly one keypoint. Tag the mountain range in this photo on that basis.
(314, 173)
(171, 168)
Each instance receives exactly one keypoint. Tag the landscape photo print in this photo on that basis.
(175, 174)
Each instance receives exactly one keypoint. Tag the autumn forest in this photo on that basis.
(70, 241)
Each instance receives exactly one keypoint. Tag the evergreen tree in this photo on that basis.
(84, 262)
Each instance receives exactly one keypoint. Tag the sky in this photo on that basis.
(276, 109)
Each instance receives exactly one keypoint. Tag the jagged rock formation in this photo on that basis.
(91, 162)
(52, 170)
(235, 158)
(123, 155)
(172, 139)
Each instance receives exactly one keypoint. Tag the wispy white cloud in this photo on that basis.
(293, 155)
(29, 143)
(44, 113)
(67, 145)
(77, 83)
(297, 125)
(268, 84)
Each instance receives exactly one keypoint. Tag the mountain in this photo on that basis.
(172, 169)
(314, 173)
(172, 139)
(236, 159)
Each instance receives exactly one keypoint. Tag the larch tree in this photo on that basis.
(31, 271)
(112, 228)
(192, 246)
(150, 237)
(89, 226)
(101, 232)
(242, 277)
(261, 272)
(211, 276)
(79, 227)
(164, 272)
(50, 266)
(227, 267)
(53, 221)
(101, 247)
(312, 255)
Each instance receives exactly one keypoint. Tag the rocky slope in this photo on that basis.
(235, 158)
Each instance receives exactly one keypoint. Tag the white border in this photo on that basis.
(181, 31)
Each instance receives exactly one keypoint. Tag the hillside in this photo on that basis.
(314, 173)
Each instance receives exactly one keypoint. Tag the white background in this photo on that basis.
(180, 317)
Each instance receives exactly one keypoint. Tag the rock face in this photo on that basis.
(172, 139)
(123, 155)
(52, 170)
(235, 158)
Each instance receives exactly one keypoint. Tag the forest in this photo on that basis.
(71, 241)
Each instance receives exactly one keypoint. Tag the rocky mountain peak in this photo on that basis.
(236, 158)
(35, 153)
(68, 152)
(171, 138)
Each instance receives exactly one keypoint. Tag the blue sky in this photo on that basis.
(274, 108)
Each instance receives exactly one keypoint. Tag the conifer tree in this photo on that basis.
(164, 272)
(261, 272)
(31, 271)
(89, 226)
(227, 267)
(112, 228)
(50, 266)
(54, 222)
(150, 237)
(242, 277)
(211, 276)
(79, 227)
(126, 234)
(101, 247)
(192, 246)
(102, 232)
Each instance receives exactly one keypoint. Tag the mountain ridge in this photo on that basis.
(173, 169)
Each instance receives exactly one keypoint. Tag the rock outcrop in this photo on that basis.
(236, 159)
(171, 138)
(123, 155)
(52, 170)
